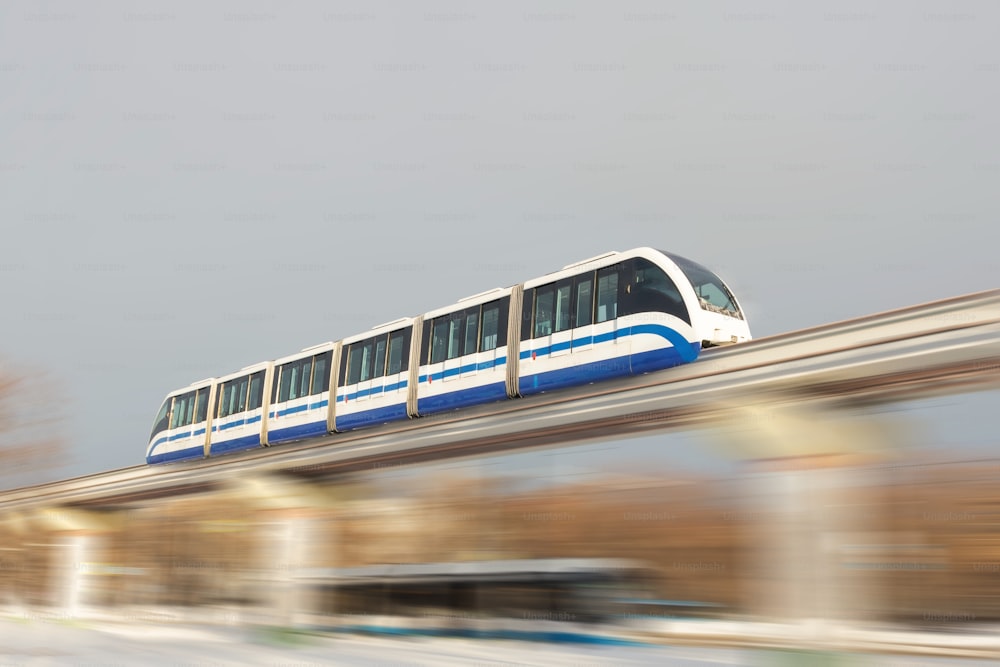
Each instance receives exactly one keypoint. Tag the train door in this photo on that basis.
(561, 339)
(583, 315)
(611, 338)
(452, 363)
(469, 361)
(397, 366)
(363, 356)
(493, 335)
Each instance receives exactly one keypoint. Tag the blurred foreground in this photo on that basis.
(821, 553)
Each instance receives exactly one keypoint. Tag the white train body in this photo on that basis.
(622, 313)
(301, 388)
(463, 354)
(374, 376)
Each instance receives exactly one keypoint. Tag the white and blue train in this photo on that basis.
(618, 314)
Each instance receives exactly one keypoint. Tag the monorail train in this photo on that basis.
(617, 314)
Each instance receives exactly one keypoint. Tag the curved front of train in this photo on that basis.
(716, 315)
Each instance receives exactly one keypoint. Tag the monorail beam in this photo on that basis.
(949, 346)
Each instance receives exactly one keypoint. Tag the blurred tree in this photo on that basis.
(32, 446)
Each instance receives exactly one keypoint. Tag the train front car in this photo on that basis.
(180, 430)
(614, 315)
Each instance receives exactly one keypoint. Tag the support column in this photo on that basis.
(287, 512)
(804, 506)
(81, 563)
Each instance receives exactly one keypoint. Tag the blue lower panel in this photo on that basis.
(572, 376)
(236, 444)
(603, 370)
(656, 360)
(389, 413)
(180, 455)
(299, 432)
(489, 393)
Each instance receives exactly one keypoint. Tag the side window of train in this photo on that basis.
(563, 305)
(396, 353)
(476, 329)
(439, 340)
(256, 397)
(381, 342)
(230, 394)
(293, 379)
(544, 299)
(189, 409)
(470, 331)
(201, 405)
(359, 361)
(175, 414)
(583, 299)
(233, 398)
(527, 311)
(607, 293)
(493, 332)
(321, 373)
(374, 358)
(455, 335)
(399, 348)
(183, 414)
(650, 289)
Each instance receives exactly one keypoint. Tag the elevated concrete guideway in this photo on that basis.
(947, 346)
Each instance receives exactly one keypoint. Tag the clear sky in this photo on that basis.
(187, 189)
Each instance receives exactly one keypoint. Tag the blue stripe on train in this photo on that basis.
(381, 389)
(235, 424)
(299, 408)
(299, 432)
(371, 417)
(468, 368)
(178, 436)
(496, 391)
(675, 339)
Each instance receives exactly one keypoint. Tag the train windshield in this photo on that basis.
(712, 292)
(160, 424)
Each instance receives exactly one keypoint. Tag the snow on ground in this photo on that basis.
(61, 641)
